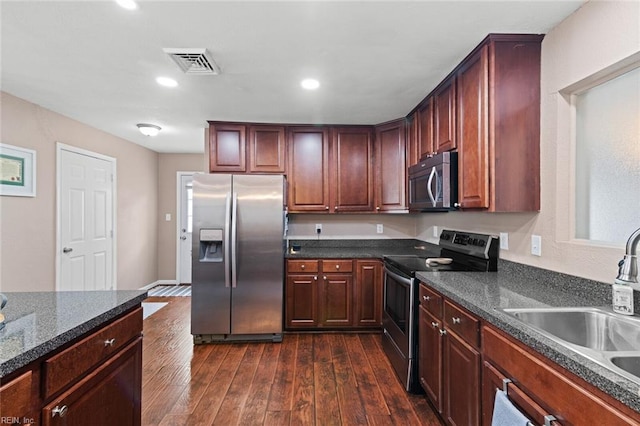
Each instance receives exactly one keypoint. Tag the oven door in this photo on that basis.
(397, 316)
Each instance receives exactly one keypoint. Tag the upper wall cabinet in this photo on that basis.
(230, 151)
(425, 139)
(391, 167)
(266, 149)
(351, 169)
(227, 148)
(444, 115)
(308, 176)
(498, 125)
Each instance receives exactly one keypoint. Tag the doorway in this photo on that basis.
(184, 223)
(86, 217)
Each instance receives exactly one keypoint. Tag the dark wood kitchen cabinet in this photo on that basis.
(333, 294)
(444, 116)
(498, 125)
(266, 149)
(308, 176)
(351, 169)
(227, 148)
(425, 140)
(19, 398)
(449, 364)
(391, 167)
(368, 293)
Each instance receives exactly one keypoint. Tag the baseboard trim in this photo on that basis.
(159, 282)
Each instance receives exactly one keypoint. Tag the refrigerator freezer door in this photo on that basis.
(258, 254)
(211, 290)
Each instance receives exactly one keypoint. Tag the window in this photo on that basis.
(608, 159)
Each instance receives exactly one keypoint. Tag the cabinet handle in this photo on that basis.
(315, 278)
(378, 208)
(337, 266)
(456, 205)
(427, 298)
(442, 332)
(109, 342)
(455, 320)
(324, 277)
(326, 207)
(301, 266)
(434, 324)
(60, 411)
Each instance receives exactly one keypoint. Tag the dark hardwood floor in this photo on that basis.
(321, 379)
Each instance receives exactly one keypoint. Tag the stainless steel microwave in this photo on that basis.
(433, 183)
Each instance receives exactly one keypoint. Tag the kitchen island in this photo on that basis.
(75, 356)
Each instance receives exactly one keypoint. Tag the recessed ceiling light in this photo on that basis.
(166, 82)
(310, 83)
(127, 4)
(148, 129)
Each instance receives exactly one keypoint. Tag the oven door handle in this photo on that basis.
(403, 280)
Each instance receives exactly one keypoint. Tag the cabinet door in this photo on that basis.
(302, 301)
(18, 399)
(351, 169)
(413, 148)
(227, 143)
(108, 396)
(462, 382)
(266, 149)
(473, 132)
(444, 115)
(425, 130)
(368, 293)
(430, 357)
(308, 169)
(336, 300)
(391, 177)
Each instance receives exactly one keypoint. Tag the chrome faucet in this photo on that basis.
(628, 266)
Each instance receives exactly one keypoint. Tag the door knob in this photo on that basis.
(67, 250)
(183, 238)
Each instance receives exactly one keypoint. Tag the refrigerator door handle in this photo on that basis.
(227, 249)
(234, 241)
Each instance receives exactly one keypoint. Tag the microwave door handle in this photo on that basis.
(438, 187)
(429, 185)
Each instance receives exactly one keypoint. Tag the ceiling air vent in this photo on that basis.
(193, 60)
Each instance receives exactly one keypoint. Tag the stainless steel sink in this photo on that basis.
(610, 339)
(630, 364)
(588, 327)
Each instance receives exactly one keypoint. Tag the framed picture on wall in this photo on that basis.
(17, 171)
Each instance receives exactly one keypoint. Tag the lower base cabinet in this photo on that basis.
(333, 294)
(97, 381)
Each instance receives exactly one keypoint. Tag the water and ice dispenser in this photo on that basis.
(210, 245)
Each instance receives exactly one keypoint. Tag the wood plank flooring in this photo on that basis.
(308, 379)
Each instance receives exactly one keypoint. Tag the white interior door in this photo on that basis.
(185, 228)
(85, 215)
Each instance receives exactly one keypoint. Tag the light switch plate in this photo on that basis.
(504, 240)
(167, 217)
(536, 245)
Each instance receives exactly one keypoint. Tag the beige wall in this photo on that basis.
(168, 166)
(598, 35)
(28, 225)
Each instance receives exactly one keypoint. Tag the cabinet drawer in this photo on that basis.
(462, 323)
(302, 266)
(329, 266)
(16, 398)
(431, 301)
(73, 362)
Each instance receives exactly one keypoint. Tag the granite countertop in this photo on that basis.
(522, 286)
(41, 322)
(360, 249)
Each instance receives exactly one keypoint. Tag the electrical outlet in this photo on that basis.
(379, 228)
(435, 232)
(318, 228)
(536, 245)
(504, 240)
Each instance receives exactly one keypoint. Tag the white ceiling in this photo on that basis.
(97, 62)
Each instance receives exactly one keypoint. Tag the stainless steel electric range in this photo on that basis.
(458, 251)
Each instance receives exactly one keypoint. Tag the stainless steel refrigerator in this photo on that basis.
(237, 257)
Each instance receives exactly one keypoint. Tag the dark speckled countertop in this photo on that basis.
(522, 286)
(356, 249)
(41, 322)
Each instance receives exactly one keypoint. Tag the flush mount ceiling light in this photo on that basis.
(310, 83)
(127, 4)
(149, 129)
(166, 82)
